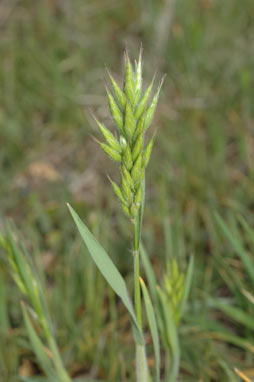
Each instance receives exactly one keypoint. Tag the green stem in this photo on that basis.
(141, 361)
(56, 357)
(62, 373)
(137, 294)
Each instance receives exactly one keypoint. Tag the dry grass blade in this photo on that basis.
(242, 375)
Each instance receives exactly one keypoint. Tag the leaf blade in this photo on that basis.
(153, 328)
(108, 270)
(37, 345)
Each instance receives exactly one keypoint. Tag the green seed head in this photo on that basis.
(174, 280)
(132, 112)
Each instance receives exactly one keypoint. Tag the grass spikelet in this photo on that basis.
(126, 190)
(137, 148)
(130, 121)
(143, 103)
(114, 155)
(147, 152)
(138, 78)
(127, 158)
(151, 109)
(127, 176)
(119, 94)
(109, 137)
(117, 191)
(136, 169)
(115, 111)
(129, 80)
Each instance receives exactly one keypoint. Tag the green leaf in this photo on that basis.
(171, 334)
(108, 270)
(148, 270)
(228, 370)
(236, 314)
(153, 328)
(4, 319)
(249, 265)
(231, 339)
(249, 230)
(33, 379)
(37, 345)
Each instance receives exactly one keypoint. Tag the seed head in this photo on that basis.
(174, 280)
(132, 113)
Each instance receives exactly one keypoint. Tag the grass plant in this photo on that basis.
(51, 73)
(132, 112)
(46, 349)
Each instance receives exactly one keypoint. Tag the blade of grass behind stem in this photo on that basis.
(141, 360)
(153, 328)
(247, 228)
(231, 339)
(168, 237)
(172, 336)
(148, 270)
(236, 315)
(228, 371)
(141, 364)
(37, 344)
(108, 270)
(34, 379)
(4, 320)
(249, 265)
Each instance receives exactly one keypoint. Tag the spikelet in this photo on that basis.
(143, 103)
(119, 94)
(138, 79)
(147, 153)
(132, 113)
(129, 88)
(109, 137)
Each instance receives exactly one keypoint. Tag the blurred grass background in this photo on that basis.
(52, 74)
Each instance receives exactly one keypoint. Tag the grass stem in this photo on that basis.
(137, 295)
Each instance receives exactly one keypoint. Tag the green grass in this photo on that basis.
(51, 70)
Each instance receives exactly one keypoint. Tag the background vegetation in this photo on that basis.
(52, 70)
